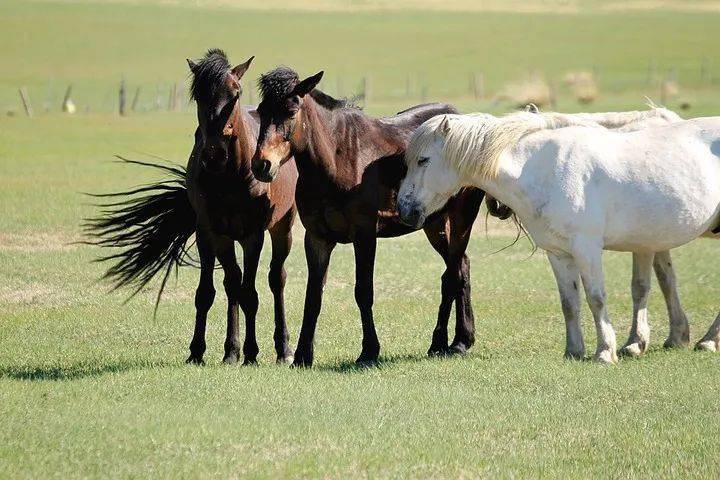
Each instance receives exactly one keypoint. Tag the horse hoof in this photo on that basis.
(437, 351)
(707, 345)
(286, 359)
(366, 361)
(195, 360)
(574, 355)
(607, 357)
(673, 343)
(250, 361)
(457, 349)
(231, 358)
(633, 349)
(302, 360)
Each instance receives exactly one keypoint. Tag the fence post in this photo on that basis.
(705, 74)
(366, 90)
(122, 96)
(477, 85)
(67, 106)
(26, 101)
(136, 98)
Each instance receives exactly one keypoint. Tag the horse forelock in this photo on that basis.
(277, 84)
(208, 76)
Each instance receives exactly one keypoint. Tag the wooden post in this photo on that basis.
(652, 71)
(26, 101)
(705, 75)
(477, 85)
(366, 90)
(122, 96)
(136, 98)
(173, 97)
(66, 98)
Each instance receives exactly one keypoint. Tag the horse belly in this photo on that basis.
(662, 216)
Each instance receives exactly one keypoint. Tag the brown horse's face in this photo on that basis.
(282, 129)
(218, 117)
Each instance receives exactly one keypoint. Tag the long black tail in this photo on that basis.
(150, 224)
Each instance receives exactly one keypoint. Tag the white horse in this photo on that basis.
(579, 189)
(639, 339)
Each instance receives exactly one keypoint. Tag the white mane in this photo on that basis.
(474, 143)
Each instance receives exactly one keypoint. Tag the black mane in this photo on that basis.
(209, 76)
(277, 84)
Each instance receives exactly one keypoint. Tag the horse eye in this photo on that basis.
(423, 161)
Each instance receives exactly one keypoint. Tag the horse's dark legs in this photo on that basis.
(437, 236)
(204, 296)
(449, 236)
(317, 255)
(281, 236)
(225, 251)
(249, 296)
(364, 246)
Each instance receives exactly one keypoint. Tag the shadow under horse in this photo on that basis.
(350, 167)
(217, 199)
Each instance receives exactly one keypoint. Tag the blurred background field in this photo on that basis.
(93, 387)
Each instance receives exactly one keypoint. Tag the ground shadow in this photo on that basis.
(349, 366)
(71, 372)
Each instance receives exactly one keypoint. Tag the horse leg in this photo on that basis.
(679, 329)
(438, 239)
(588, 257)
(639, 338)
(225, 250)
(567, 277)
(317, 255)
(711, 340)
(364, 246)
(248, 299)
(204, 296)
(281, 236)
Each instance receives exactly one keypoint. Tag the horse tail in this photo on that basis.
(151, 226)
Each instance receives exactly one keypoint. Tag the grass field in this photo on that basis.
(93, 387)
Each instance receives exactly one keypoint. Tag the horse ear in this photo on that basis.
(444, 126)
(532, 108)
(306, 86)
(240, 70)
(192, 65)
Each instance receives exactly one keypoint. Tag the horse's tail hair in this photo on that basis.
(151, 225)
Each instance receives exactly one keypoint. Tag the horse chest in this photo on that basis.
(237, 217)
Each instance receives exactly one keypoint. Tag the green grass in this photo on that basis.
(93, 387)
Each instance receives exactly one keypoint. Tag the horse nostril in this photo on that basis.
(265, 167)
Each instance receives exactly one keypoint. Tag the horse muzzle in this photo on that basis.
(264, 170)
(411, 214)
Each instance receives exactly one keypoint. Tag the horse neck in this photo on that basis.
(318, 152)
(244, 145)
(360, 141)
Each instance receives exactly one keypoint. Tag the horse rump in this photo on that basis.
(150, 225)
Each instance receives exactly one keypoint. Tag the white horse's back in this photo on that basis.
(647, 190)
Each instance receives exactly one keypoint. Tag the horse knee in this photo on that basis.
(204, 298)
(596, 300)
(363, 297)
(233, 284)
(640, 288)
(276, 278)
(249, 298)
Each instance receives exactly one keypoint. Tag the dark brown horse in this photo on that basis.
(220, 201)
(350, 167)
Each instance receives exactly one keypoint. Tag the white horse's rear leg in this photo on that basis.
(679, 335)
(588, 257)
(639, 338)
(567, 277)
(711, 340)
